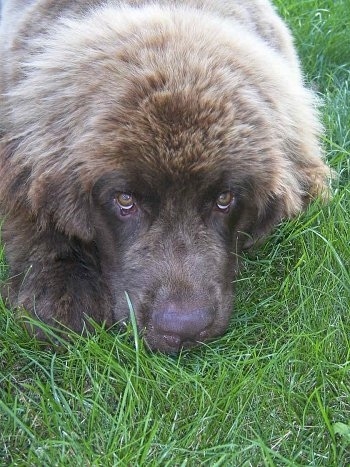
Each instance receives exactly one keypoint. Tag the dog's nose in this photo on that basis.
(181, 323)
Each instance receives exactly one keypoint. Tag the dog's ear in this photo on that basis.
(259, 225)
(294, 192)
(47, 198)
(60, 198)
(14, 178)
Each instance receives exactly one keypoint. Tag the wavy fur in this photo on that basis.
(155, 99)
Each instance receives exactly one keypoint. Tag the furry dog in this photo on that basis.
(143, 146)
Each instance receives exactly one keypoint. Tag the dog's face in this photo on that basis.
(171, 249)
(171, 221)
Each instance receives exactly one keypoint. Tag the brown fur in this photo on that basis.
(175, 103)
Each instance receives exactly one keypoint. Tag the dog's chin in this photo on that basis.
(172, 344)
(167, 344)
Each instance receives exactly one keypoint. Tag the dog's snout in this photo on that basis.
(181, 323)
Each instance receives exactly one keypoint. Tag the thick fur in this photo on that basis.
(173, 102)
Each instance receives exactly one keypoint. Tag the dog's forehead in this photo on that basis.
(175, 141)
(151, 179)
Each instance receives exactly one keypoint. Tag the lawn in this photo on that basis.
(275, 390)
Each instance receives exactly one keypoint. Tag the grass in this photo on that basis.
(275, 390)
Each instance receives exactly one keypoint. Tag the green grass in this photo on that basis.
(275, 390)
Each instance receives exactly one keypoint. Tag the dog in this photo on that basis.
(143, 146)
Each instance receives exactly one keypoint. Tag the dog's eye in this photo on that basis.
(224, 201)
(125, 200)
(126, 203)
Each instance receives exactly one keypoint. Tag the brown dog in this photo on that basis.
(143, 146)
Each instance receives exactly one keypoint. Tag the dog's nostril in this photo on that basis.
(184, 322)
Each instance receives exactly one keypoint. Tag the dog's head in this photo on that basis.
(171, 159)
